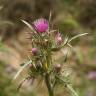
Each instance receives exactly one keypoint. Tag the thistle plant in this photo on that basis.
(45, 41)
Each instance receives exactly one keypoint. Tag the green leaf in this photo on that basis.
(30, 26)
(21, 83)
(66, 40)
(69, 87)
(79, 35)
(22, 68)
(6, 22)
(72, 90)
(22, 64)
(50, 15)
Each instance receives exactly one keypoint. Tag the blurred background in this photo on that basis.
(70, 16)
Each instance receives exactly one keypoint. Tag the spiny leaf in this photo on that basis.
(72, 48)
(22, 64)
(50, 16)
(70, 45)
(79, 35)
(72, 90)
(22, 68)
(6, 22)
(66, 40)
(68, 86)
(52, 31)
(21, 83)
(65, 59)
(30, 26)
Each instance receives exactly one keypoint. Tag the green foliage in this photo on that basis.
(7, 88)
(76, 14)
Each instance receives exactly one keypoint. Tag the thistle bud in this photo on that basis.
(58, 38)
(41, 25)
(57, 67)
(34, 51)
(30, 66)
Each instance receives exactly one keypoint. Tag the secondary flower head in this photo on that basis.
(41, 25)
(58, 38)
(57, 67)
(34, 51)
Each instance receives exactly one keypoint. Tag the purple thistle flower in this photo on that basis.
(41, 25)
(34, 51)
(58, 38)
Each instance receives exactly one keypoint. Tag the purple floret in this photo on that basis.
(41, 25)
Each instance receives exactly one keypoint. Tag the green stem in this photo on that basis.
(47, 81)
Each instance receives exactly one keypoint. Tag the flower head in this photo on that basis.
(34, 51)
(58, 38)
(41, 25)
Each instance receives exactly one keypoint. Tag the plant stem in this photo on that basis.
(47, 81)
